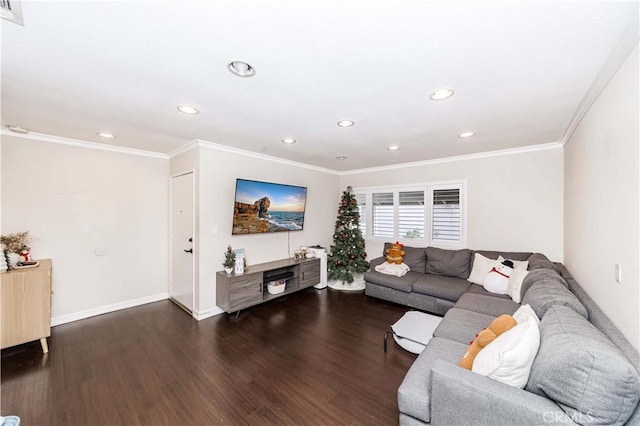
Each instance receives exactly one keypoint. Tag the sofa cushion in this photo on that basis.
(540, 261)
(398, 283)
(579, 368)
(414, 392)
(478, 289)
(546, 293)
(461, 325)
(450, 263)
(440, 286)
(487, 305)
(539, 275)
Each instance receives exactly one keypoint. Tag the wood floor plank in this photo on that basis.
(310, 358)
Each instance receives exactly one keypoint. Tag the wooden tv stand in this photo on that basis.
(237, 292)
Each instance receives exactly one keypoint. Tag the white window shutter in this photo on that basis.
(383, 214)
(446, 215)
(411, 214)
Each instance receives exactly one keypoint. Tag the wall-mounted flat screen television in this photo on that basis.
(261, 207)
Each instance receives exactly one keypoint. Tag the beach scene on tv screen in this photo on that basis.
(267, 207)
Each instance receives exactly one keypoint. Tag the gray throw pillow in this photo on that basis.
(415, 258)
(580, 369)
(450, 263)
(549, 292)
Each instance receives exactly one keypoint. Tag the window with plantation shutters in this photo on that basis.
(420, 215)
(383, 214)
(446, 215)
(411, 212)
(361, 199)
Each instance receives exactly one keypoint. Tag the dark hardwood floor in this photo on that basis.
(313, 357)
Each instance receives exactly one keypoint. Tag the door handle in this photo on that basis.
(189, 251)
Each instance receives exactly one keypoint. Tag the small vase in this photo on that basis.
(228, 270)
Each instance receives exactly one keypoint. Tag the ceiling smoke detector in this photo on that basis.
(188, 109)
(441, 94)
(465, 135)
(241, 69)
(106, 135)
(346, 123)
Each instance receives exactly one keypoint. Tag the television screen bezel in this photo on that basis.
(304, 211)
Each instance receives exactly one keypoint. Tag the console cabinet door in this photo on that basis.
(310, 273)
(245, 291)
(26, 304)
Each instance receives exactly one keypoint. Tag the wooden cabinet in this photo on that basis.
(236, 292)
(25, 308)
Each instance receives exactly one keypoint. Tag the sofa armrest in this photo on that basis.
(377, 261)
(462, 397)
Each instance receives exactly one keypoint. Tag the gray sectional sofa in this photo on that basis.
(585, 372)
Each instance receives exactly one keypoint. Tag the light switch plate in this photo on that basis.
(618, 273)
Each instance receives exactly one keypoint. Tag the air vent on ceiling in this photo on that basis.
(11, 10)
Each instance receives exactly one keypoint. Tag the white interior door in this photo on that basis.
(182, 233)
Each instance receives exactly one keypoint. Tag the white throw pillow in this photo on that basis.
(514, 288)
(517, 264)
(525, 312)
(481, 267)
(509, 357)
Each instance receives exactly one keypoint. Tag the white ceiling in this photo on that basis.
(520, 71)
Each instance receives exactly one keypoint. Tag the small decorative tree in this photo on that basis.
(229, 258)
(347, 255)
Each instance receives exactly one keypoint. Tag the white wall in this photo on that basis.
(601, 200)
(216, 174)
(76, 201)
(514, 202)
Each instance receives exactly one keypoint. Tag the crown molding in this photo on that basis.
(466, 157)
(246, 153)
(198, 143)
(613, 63)
(42, 137)
(184, 148)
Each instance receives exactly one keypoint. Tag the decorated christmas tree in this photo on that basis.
(347, 255)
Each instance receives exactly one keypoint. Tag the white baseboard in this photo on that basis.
(207, 313)
(63, 319)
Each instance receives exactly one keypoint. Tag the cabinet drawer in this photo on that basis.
(245, 291)
(310, 273)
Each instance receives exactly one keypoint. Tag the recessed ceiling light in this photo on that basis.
(346, 123)
(393, 147)
(18, 129)
(464, 135)
(106, 135)
(188, 109)
(289, 141)
(241, 69)
(341, 157)
(441, 94)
